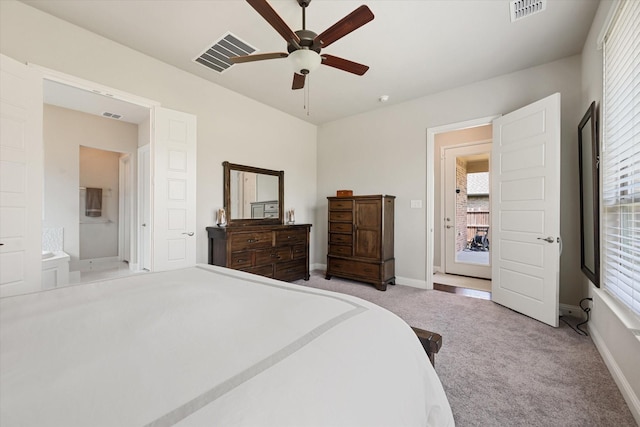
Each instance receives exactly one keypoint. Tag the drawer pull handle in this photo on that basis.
(240, 260)
(289, 237)
(252, 240)
(275, 256)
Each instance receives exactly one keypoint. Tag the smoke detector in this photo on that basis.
(520, 9)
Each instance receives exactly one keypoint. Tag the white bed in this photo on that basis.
(210, 346)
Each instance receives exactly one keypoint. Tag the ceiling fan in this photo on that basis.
(304, 46)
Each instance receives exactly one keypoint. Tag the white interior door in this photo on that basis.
(526, 210)
(144, 208)
(461, 256)
(174, 189)
(21, 166)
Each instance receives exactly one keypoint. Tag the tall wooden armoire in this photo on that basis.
(361, 239)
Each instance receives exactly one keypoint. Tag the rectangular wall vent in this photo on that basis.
(523, 8)
(217, 56)
(112, 115)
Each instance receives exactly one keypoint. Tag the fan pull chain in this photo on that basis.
(306, 95)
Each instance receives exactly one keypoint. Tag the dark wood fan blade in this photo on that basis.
(298, 81)
(257, 57)
(349, 23)
(270, 15)
(344, 64)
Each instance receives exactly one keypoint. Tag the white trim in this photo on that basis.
(618, 376)
(90, 86)
(414, 283)
(627, 317)
(607, 23)
(431, 135)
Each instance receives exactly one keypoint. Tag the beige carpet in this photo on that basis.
(500, 368)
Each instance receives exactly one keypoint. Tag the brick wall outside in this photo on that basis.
(461, 204)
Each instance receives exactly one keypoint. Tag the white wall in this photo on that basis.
(384, 151)
(230, 126)
(610, 323)
(64, 131)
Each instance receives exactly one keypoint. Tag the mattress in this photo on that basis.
(210, 346)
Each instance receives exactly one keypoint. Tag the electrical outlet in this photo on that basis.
(416, 204)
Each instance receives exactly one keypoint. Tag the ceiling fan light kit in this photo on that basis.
(304, 61)
(303, 46)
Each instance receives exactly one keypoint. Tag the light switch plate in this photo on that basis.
(416, 204)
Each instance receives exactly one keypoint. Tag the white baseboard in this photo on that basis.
(321, 267)
(618, 376)
(414, 283)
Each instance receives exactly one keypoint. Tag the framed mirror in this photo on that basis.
(589, 158)
(253, 196)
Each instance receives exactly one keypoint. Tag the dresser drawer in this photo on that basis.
(299, 251)
(353, 268)
(340, 250)
(340, 204)
(346, 216)
(344, 239)
(291, 270)
(255, 240)
(241, 259)
(340, 227)
(291, 237)
(269, 256)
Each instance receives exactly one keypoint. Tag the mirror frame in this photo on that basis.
(227, 168)
(590, 171)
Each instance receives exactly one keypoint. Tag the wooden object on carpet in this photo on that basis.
(431, 342)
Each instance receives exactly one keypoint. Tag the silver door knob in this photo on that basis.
(191, 233)
(548, 239)
(448, 226)
(144, 225)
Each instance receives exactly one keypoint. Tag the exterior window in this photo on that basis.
(621, 157)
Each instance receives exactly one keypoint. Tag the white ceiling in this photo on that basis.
(414, 48)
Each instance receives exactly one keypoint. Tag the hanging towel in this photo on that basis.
(93, 202)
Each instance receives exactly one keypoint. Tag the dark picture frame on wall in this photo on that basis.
(589, 158)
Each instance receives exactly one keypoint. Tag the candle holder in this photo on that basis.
(292, 216)
(221, 218)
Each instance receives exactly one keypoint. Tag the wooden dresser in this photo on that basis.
(361, 239)
(277, 251)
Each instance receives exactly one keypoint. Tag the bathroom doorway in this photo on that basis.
(82, 127)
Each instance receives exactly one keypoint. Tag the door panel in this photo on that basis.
(21, 178)
(466, 232)
(526, 206)
(174, 190)
(367, 230)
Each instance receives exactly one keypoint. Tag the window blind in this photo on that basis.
(621, 156)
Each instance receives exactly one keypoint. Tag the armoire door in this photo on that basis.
(368, 225)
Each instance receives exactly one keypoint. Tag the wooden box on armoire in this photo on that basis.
(360, 241)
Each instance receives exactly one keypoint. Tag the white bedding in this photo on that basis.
(208, 346)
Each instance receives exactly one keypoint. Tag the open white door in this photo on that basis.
(21, 178)
(526, 210)
(174, 189)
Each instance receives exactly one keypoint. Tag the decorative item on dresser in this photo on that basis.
(361, 239)
(277, 251)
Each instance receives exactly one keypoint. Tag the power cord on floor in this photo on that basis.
(577, 327)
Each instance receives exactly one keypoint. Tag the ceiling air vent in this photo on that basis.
(112, 115)
(217, 56)
(523, 8)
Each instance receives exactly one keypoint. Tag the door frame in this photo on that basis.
(79, 83)
(431, 156)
